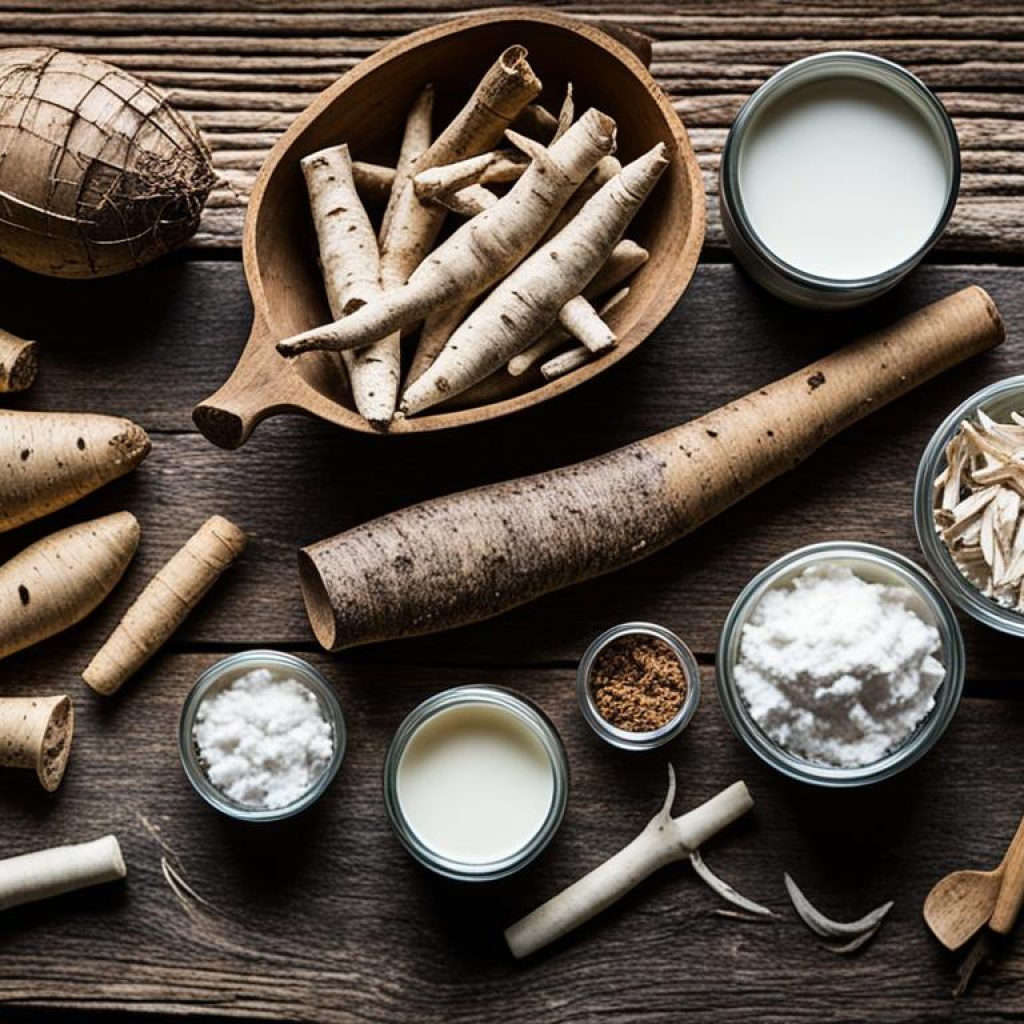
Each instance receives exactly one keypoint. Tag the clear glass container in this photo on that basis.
(998, 400)
(623, 738)
(215, 678)
(767, 269)
(874, 564)
(528, 714)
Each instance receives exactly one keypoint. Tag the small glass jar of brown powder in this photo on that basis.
(638, 685)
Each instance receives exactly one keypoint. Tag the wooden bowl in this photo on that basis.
(366, 108)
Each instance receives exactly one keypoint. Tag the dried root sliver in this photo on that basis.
(726, 891)
(858, 943)
(825, 926)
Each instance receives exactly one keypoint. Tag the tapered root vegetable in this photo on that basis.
(498, 167)
(350, 263)
(664, 840)
(626, 258)
(469, 556)
(470, 201)
(60, 579)
(165, 604)
(374, 181)
(416, 139)
(412, 228)
(482, 251)
(51, 459)
(437, 329)
(98, 172)
(529, 299)
(60, 869)
(35, 733)
(18, 362)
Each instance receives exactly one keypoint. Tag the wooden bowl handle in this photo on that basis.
(1011, 892)
(246, 398)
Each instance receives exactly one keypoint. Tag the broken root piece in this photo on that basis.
(35, 732)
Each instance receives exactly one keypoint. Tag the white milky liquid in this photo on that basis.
(475, 784)
(842, 179)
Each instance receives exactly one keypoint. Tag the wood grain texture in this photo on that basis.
(245, 71)
(101, 345)
(327, 919)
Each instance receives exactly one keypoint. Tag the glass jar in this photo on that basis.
(214, 679)
(539, 725)
(998, 401)
(622, 738)
(874, 564)
(764, 266)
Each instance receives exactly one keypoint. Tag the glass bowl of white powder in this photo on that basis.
(261, 735)
(840, 664)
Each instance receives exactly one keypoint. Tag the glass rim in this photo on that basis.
(732, 195)
(528, 713)
(624, 739)
(914, 746)
(961, 591)
(210, 678)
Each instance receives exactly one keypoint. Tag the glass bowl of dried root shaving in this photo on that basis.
(969, 505)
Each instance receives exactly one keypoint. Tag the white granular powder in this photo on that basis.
(263, 739)
(837, 670)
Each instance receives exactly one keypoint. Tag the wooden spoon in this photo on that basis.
(965, 901)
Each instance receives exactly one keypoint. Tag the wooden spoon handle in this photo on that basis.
(1011, 892)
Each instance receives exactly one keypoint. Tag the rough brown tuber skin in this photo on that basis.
(51, 459)
(98, 172)
(18, 362)
(469, 556)
(60, 579)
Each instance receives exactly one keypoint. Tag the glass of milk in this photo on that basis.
(837, 177)
(476, 782)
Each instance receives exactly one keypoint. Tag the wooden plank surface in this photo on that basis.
(187, 319)
(244, 71)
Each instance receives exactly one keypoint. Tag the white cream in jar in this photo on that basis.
(476, 782)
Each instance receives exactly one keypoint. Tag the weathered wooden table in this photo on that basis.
(326, 918)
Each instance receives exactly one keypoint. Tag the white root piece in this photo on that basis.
(374, 181)
(437, 329)
(350, 263)
(469, 201)
(626, 258)
(605, 170)
(825, 926)
(498, 167)
(664, 840)
(580, 355)
(526, 302)
(584, 323)
(412, 227)
(385, 354)
(483, 250)
(726, 891)
(18, 362)
(165, 603)
(35, 733)
(847, 948)
(60, 869)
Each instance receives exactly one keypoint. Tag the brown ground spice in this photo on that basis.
(638, 683)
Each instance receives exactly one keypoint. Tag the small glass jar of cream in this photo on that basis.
(476, 782)
(837, 177)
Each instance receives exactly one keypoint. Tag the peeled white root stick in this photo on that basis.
(580, 355)
(664, 840)
(350, 264)
(497, 167)
(35, 732)
(469, 201)
(18, 362)
(165, 603)
(584, 322)
(46, 873)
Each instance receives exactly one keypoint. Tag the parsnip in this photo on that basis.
(350, 263)
(35, 732)
(626, 258)
(18, 362)
(165, 604)
(528, 300)
(57, 581)
(51, 459)
(483, 250)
